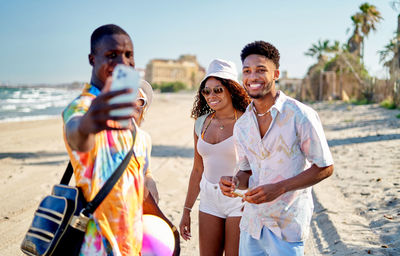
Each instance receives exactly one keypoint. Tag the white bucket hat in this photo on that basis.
(147, 91)
(223, 69)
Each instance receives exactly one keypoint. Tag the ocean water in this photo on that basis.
(34, 103)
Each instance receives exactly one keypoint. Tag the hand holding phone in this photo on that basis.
(124, 77)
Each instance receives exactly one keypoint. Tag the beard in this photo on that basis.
(267, 89)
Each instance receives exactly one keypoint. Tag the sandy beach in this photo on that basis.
(357, 209)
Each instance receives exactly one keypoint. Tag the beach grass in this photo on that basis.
(388, 104)
(360, 101)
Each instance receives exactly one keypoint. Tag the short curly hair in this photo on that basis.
(105, 30)
(240, 99)
(261, 48)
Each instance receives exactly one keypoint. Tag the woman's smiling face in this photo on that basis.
(216, 95)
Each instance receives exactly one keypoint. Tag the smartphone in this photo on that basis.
(124, 77)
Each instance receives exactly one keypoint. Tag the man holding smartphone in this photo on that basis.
(96, 144)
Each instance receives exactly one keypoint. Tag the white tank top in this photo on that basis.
(218, 159)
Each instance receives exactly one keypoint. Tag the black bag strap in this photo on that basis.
(92, 205)
(67, 174)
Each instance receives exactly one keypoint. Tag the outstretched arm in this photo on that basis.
(80, 130)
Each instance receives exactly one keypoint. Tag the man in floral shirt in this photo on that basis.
(282, 152)
(97, 144)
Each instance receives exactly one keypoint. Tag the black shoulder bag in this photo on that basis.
(59, 224)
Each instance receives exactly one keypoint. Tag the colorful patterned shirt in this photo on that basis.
(294, 141)
(116, 225)
(143, 138)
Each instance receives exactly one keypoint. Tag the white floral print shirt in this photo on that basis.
(294, 141)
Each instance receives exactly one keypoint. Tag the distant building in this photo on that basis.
(186, 69)
(291, 86)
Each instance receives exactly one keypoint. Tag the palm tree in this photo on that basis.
(364, 22)
(370, 16)
(345, 63)
(393, 48)
(356, 38)
(318, 50)
(390, 57)
(336, 47)
(388, 54)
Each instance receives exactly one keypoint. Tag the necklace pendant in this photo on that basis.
(221, 127)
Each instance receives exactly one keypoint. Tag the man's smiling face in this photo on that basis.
(259, 75)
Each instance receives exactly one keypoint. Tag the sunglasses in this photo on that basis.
(141, 102)
(207, 91)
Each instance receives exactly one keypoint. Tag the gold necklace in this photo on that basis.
(221, 125)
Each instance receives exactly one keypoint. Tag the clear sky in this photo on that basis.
(47, 41)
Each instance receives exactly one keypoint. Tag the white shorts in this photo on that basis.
(213, 202)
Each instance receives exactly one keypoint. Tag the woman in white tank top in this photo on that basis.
(220, 101)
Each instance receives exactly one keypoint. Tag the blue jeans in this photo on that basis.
(269, 244)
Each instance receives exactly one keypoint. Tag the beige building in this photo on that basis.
(291, 86)
(186, 69)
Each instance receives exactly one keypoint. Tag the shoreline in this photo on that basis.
(29, 119)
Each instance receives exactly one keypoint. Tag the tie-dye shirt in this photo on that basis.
(116, 226)
(143, 138)
(294, 141)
